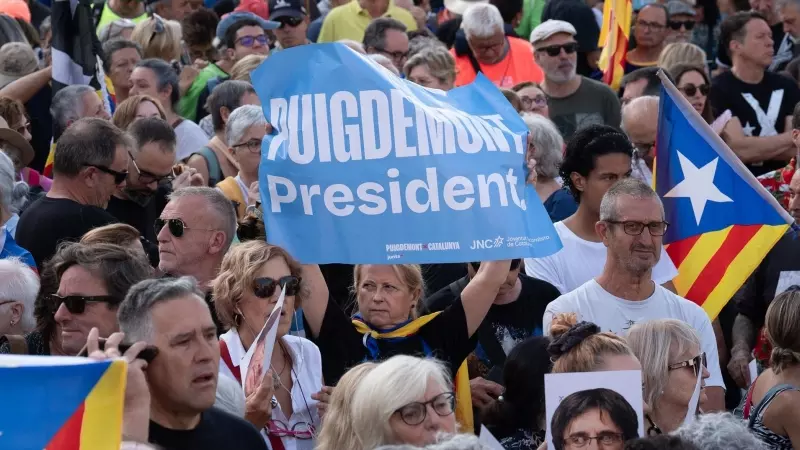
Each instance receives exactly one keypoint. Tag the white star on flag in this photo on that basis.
(698, 186)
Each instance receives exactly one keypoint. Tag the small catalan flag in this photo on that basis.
(61, 403)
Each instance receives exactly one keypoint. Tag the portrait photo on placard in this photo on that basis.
(593, 409)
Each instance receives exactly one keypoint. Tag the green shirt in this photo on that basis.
(349, 21)
(187, 107)
(531, 18)
(109, 16)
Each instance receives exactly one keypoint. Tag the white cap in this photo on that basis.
(549, 28)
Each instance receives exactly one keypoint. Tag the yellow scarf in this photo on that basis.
(461, 381)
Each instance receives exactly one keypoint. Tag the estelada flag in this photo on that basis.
(60, 403)
(722, 221)
(614, 36)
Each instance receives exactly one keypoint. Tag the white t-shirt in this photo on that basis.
(580, 260)
(191, 138)
(594, 304)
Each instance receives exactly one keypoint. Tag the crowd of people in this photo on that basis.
(133, 215)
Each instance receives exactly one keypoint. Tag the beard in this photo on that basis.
(141, 197)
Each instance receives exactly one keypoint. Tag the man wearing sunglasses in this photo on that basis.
(632, 227)
(574, 101)
(91, 163)
(681, 21)
(293, 17)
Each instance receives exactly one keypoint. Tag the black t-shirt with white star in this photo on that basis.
(761, 108)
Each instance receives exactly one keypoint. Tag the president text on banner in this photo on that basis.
(368, 168)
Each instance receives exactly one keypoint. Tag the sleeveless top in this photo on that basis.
(771, 439)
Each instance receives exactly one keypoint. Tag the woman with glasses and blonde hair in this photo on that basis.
(387, 322)
(672, 360)
(137, 107)
(250, 281)
(772, 406)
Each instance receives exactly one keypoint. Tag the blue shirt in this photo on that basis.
(560, 205)
(12, 250)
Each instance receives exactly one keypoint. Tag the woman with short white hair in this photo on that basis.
(19, 286)
(546, 147)
(244, 131)
(13, 195)
(403, 400)
(672, 359)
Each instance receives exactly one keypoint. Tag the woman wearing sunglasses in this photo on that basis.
(247, 288)
(669, 351)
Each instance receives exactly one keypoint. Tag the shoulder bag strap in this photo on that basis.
(18, 344)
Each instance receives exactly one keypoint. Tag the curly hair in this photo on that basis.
(581, 347)
(585, 147)
(199, 27)
(237, 272)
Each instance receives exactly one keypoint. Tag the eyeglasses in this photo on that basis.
(176, 227)
(529, 102)
(398, 55)
(694, 363)
(290, 22)
(249, 41)
(677, 24)
(148, 177)
(119, 177)
(555, 50)
(691, 89)
(632, 228)
(415, 413)
(264, 287)
(650, 25)
(605, 439)
(300, 430)
(253, 145)
(76, 304)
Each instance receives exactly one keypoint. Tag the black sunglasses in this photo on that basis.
(555, 50)
(691, 89)
(289, 21)
(119, 177)
(176, 227)
(76, 304)
(264, 287)
(676, 24)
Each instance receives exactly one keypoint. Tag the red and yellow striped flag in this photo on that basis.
(614, 36)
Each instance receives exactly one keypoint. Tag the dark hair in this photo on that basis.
(585, 147)
(679, 70)
(650, 74)
(563, 343)
(227, 94)
(523, 377)
(87, 141)
(118, 267)
(508, 9)
(153, 129)
(796, 117)
(43, 307)
(199, 27)
(251, 227)
(10, 31)
(115, 45)
(230, 33)
(792, 70)
(30, 32)
(165, 77)
(612, 403)
(660, 442)
(733, 28)
(375, 34)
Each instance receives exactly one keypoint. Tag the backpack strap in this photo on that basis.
(225, 355)
(214, 170)
(18, 344)
(230, 187)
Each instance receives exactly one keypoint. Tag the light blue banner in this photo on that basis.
(365, 167)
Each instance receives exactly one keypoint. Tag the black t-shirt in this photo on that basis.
(217, 430)
(779, 271)
(49, 221)
(761, 108)
(504, 325)
(38, 109)
(140, 217)
(341, 345)
(439, 276)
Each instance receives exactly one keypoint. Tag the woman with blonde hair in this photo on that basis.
(159, 38)
(137, 107)
(582, 347)
(433, 67)
(387, 322)
(681, 53)
(772, 407)
(669, 351)
(241, 70)
(337, 426)
(250, 281)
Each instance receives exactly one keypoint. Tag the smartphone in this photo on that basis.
(148, 354)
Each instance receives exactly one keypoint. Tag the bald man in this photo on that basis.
(640, 123)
